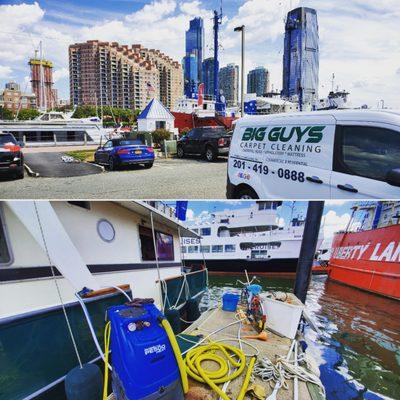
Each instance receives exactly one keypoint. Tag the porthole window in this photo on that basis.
(106, 230)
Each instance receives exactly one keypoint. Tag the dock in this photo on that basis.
(274, 346)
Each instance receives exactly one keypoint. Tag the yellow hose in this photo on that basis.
(247, 378)
(107, 332)
(212, 378)
(178, 355)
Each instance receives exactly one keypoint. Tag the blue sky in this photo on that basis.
(336, 213)
(359, 39)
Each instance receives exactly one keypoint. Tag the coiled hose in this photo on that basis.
(226, 362)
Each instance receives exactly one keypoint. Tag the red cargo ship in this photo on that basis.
(367, 254)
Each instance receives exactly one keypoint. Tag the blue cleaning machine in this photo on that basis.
(143, 361)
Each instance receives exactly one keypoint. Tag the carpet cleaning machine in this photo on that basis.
(145, 356)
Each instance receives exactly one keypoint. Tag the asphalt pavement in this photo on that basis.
(51, 165)
(192, 178)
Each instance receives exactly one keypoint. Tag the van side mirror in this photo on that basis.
(393, 177)
(21, 143)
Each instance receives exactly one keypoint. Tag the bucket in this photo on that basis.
(230, 301)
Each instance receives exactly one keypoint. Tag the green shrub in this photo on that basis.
(159, 135)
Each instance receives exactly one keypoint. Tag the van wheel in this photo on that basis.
(148, 165)
(246, 193)
(211, 154)
(180, 152)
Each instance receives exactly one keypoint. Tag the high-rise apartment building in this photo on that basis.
(106, 73)
(170, 74)
(42, 83)
(301, 55)
(258, 81)
(208, 76)
(228, 79)
(193, 60)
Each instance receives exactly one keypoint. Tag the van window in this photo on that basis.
(367, 151)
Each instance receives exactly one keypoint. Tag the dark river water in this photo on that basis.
(359, 350)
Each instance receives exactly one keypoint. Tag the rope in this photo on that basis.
(284, 370)
(58, 288)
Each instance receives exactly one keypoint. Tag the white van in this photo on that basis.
(337, 154)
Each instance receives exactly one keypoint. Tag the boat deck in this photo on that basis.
(274, 346)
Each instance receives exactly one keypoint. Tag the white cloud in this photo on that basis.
(333, 222)
(60, 74)
(189, 214)
(5, 72)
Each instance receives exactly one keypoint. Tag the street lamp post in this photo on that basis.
(241, 29)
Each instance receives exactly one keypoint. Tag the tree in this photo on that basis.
(84, 112)
(28, 113)
(6, 114)
(159, 135)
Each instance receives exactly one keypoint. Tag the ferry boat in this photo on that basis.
(53, 127)
(49, 251)
(249, 238)
(366, 255)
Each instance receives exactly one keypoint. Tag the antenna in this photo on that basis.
(333, 81)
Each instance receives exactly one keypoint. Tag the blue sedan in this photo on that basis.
(118, 152)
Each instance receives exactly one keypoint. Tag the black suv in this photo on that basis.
(11, 157)
(208, 141)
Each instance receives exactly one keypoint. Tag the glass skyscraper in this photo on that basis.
(208, 76)
(193, 61)
(258, 81)
(301, 55)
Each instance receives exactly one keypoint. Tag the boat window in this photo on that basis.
(225, 221)
(205, 231)
(82, 204)
(5, 252)
(164, 243)
(230, 248)
(183, 249)
(193, 249)
(223, 231)
(204, 249)
(217, 248)
(367, 151)
(195, 230)
(266, 205)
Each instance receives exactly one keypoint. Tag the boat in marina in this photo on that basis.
(366, 255)
(249, 238)
(56, 128)
(54, 253)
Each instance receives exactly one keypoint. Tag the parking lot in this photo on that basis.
(189, 178)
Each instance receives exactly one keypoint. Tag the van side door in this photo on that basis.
(299, 158)
(364, 155)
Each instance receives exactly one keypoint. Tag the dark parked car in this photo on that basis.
(11, 156)
(209, 142)
(118, 152)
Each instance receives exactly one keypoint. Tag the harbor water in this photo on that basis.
(358, 351)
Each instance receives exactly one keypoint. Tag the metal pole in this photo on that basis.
(308, 248)
(156, 256)
(242, 77)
